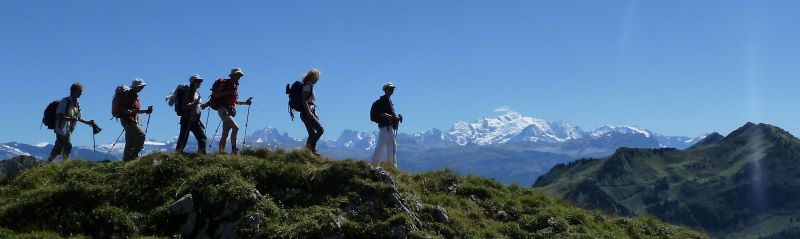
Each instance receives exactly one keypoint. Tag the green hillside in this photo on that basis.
(744, 185)
(277, 194)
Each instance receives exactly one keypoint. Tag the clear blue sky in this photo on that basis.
(676, 67)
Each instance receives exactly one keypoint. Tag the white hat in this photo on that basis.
(137, 82)
(388, 85)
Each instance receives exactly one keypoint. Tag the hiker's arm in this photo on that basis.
(249, 101)
(149, 110)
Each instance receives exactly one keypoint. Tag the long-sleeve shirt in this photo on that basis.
(380, 107)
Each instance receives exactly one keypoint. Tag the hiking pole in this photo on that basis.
(148, 119)
(244, 138)
(115, 144)
(215, 135)
(94, 142)
(208, 113)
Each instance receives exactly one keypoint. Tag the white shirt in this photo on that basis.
(65, 127)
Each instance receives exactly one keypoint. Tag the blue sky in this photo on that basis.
(675, 67)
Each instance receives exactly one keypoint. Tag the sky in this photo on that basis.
(675, 67)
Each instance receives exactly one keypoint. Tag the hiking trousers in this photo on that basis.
(386, 147)
(314, 129)
(134, 139)
(63, 146)
(196, 127)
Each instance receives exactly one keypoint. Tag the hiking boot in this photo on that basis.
(235, 151)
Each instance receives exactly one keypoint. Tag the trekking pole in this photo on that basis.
(244, 139)
(148, 120)
(94, 142)
(115, 144)
(208, 113)
(215, 135)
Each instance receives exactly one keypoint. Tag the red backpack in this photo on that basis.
(219, 85)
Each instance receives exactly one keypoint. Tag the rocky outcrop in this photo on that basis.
(12, 166)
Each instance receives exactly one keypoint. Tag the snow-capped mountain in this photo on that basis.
(512, 127)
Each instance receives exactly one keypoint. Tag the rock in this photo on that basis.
(398, 232)
(12, 166)
(441, 215)
(396, 199)
(184, 211)
(502, 216)
(224, 225)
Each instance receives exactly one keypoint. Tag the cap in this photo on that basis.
(195, 78)
(236, 70)
(388, 85)
(137, 82)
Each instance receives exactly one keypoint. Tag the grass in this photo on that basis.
(304, 196)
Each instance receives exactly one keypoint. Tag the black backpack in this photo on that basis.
(176, 99)
(49, 118)
(374, 115)
(295, 92)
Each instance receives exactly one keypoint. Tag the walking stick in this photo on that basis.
(94, 142)
(215, 135)
(115, 144)
(148, 120)
(208, 113)
(244, 138)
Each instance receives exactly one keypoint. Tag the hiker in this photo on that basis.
(127, 108)
(382, 112)
(308, 114)
(68, 113)
(224, 98)
(189, 107)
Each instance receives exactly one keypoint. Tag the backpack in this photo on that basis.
(374, 115)
(295, 92)
(218, 86)
(116, 103)
(49, 118)
(176, 99)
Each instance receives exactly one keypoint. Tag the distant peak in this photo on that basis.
(709, 139)
(760, 130)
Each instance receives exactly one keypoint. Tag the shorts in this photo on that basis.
(226, 114)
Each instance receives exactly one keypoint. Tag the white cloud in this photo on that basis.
(502, 109)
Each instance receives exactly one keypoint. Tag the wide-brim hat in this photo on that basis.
(194, 78)
(138, 82)
(236, 71)
(389, 85)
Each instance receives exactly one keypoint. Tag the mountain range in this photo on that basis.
(743, 185)
(512, 148)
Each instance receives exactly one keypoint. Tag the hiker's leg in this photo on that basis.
(225, 118)
(391, 145)
(314, 129)
(57, 148)
(200, 135)
(380, 147)
(234, 131)
(138, 140)
(183, 137)
(67, 148)
(127, 152)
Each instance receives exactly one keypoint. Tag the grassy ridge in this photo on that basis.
(303, 197)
